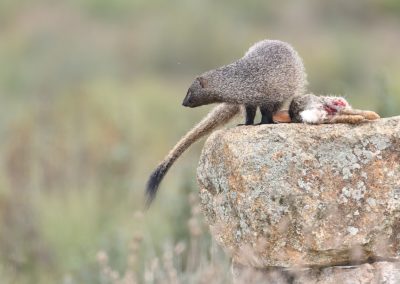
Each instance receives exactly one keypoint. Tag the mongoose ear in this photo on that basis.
(203, 82)
(282, 116)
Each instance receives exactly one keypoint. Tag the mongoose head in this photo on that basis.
(200, 93)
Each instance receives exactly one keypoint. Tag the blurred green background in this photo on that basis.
(91, 95)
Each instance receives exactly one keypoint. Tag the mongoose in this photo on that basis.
(314, 109)
(269, 73)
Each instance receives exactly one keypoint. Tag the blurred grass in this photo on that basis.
(91, 93)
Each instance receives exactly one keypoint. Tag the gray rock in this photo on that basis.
(293, 195)
(374, 273)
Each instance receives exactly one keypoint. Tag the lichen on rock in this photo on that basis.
(304, 195)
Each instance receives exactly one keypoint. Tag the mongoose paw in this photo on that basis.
(243, 124)
(264, 123)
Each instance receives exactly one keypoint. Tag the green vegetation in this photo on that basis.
(91, 93)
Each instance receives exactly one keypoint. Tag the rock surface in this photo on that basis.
(375, 273)
(304, 195)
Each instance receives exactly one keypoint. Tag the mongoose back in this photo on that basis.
(270, 73)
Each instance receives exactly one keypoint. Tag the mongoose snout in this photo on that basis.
(198, 94)
(187, 100)
(190, 100)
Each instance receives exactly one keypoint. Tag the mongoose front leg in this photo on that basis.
(250, 115)
(266, 116)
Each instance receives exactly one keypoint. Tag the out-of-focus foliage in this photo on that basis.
(90, 102)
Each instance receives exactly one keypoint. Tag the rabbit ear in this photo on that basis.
(282, 116)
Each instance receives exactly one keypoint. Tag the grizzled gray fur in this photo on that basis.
(268, 74)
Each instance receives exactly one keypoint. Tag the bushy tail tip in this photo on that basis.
(153, 183)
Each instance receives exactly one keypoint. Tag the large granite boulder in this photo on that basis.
(292, 195)
(381, 272)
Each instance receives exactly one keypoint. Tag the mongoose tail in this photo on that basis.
(218, 116)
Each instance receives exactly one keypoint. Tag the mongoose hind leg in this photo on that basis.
(266, 116)
(250, 115)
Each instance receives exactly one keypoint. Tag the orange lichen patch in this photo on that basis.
(225, 234)
(278, 155)
(308, 163)
(376, 173)
(295, 256)
(331, 185)
(376, 170)
(236, 183)
(313, 176)
(264, 170)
